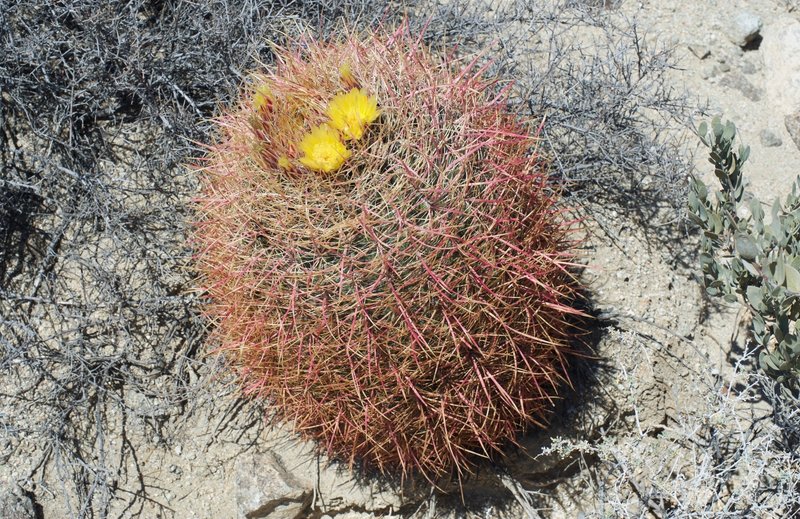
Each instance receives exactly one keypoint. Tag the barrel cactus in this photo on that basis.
(384, 258)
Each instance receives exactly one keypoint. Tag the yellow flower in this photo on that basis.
(323, 149)
(262, 99)
(283, 162)
(350, 113)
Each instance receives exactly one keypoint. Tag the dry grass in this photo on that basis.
(100, 105)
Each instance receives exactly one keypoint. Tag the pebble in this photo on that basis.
(780, 53)
(749, 68)
(769, 139)
(743, 28)
(792, 122)
(737, 81)
(260, 482)
(700, 51)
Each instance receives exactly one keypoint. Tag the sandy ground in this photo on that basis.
(663, 357)
(755, 87)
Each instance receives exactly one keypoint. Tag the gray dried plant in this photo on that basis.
(102, 104)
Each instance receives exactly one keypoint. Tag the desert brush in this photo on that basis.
(744, 258)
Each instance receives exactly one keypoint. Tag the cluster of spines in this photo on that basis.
(413, 310)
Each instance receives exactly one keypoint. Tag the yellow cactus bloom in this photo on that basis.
(262, 99)
(350, 113)
(283, 162)
(323, 149)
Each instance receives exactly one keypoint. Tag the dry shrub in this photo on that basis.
(100, 104)
(100, 336)
(410, 309)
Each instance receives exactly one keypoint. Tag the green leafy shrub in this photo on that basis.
(386, 260)
(743, 255)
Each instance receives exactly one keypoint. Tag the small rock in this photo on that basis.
(781, 54)
(700, 51)
(749, 68)
(743, 28)
(708, 71)
(769, 139)
(290, 511)
(792, 123)
(739, 82)
(16, 506)
(264, 489)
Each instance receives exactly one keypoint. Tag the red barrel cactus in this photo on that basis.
(385, 260)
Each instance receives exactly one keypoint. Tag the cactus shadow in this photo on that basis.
(524, 476)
